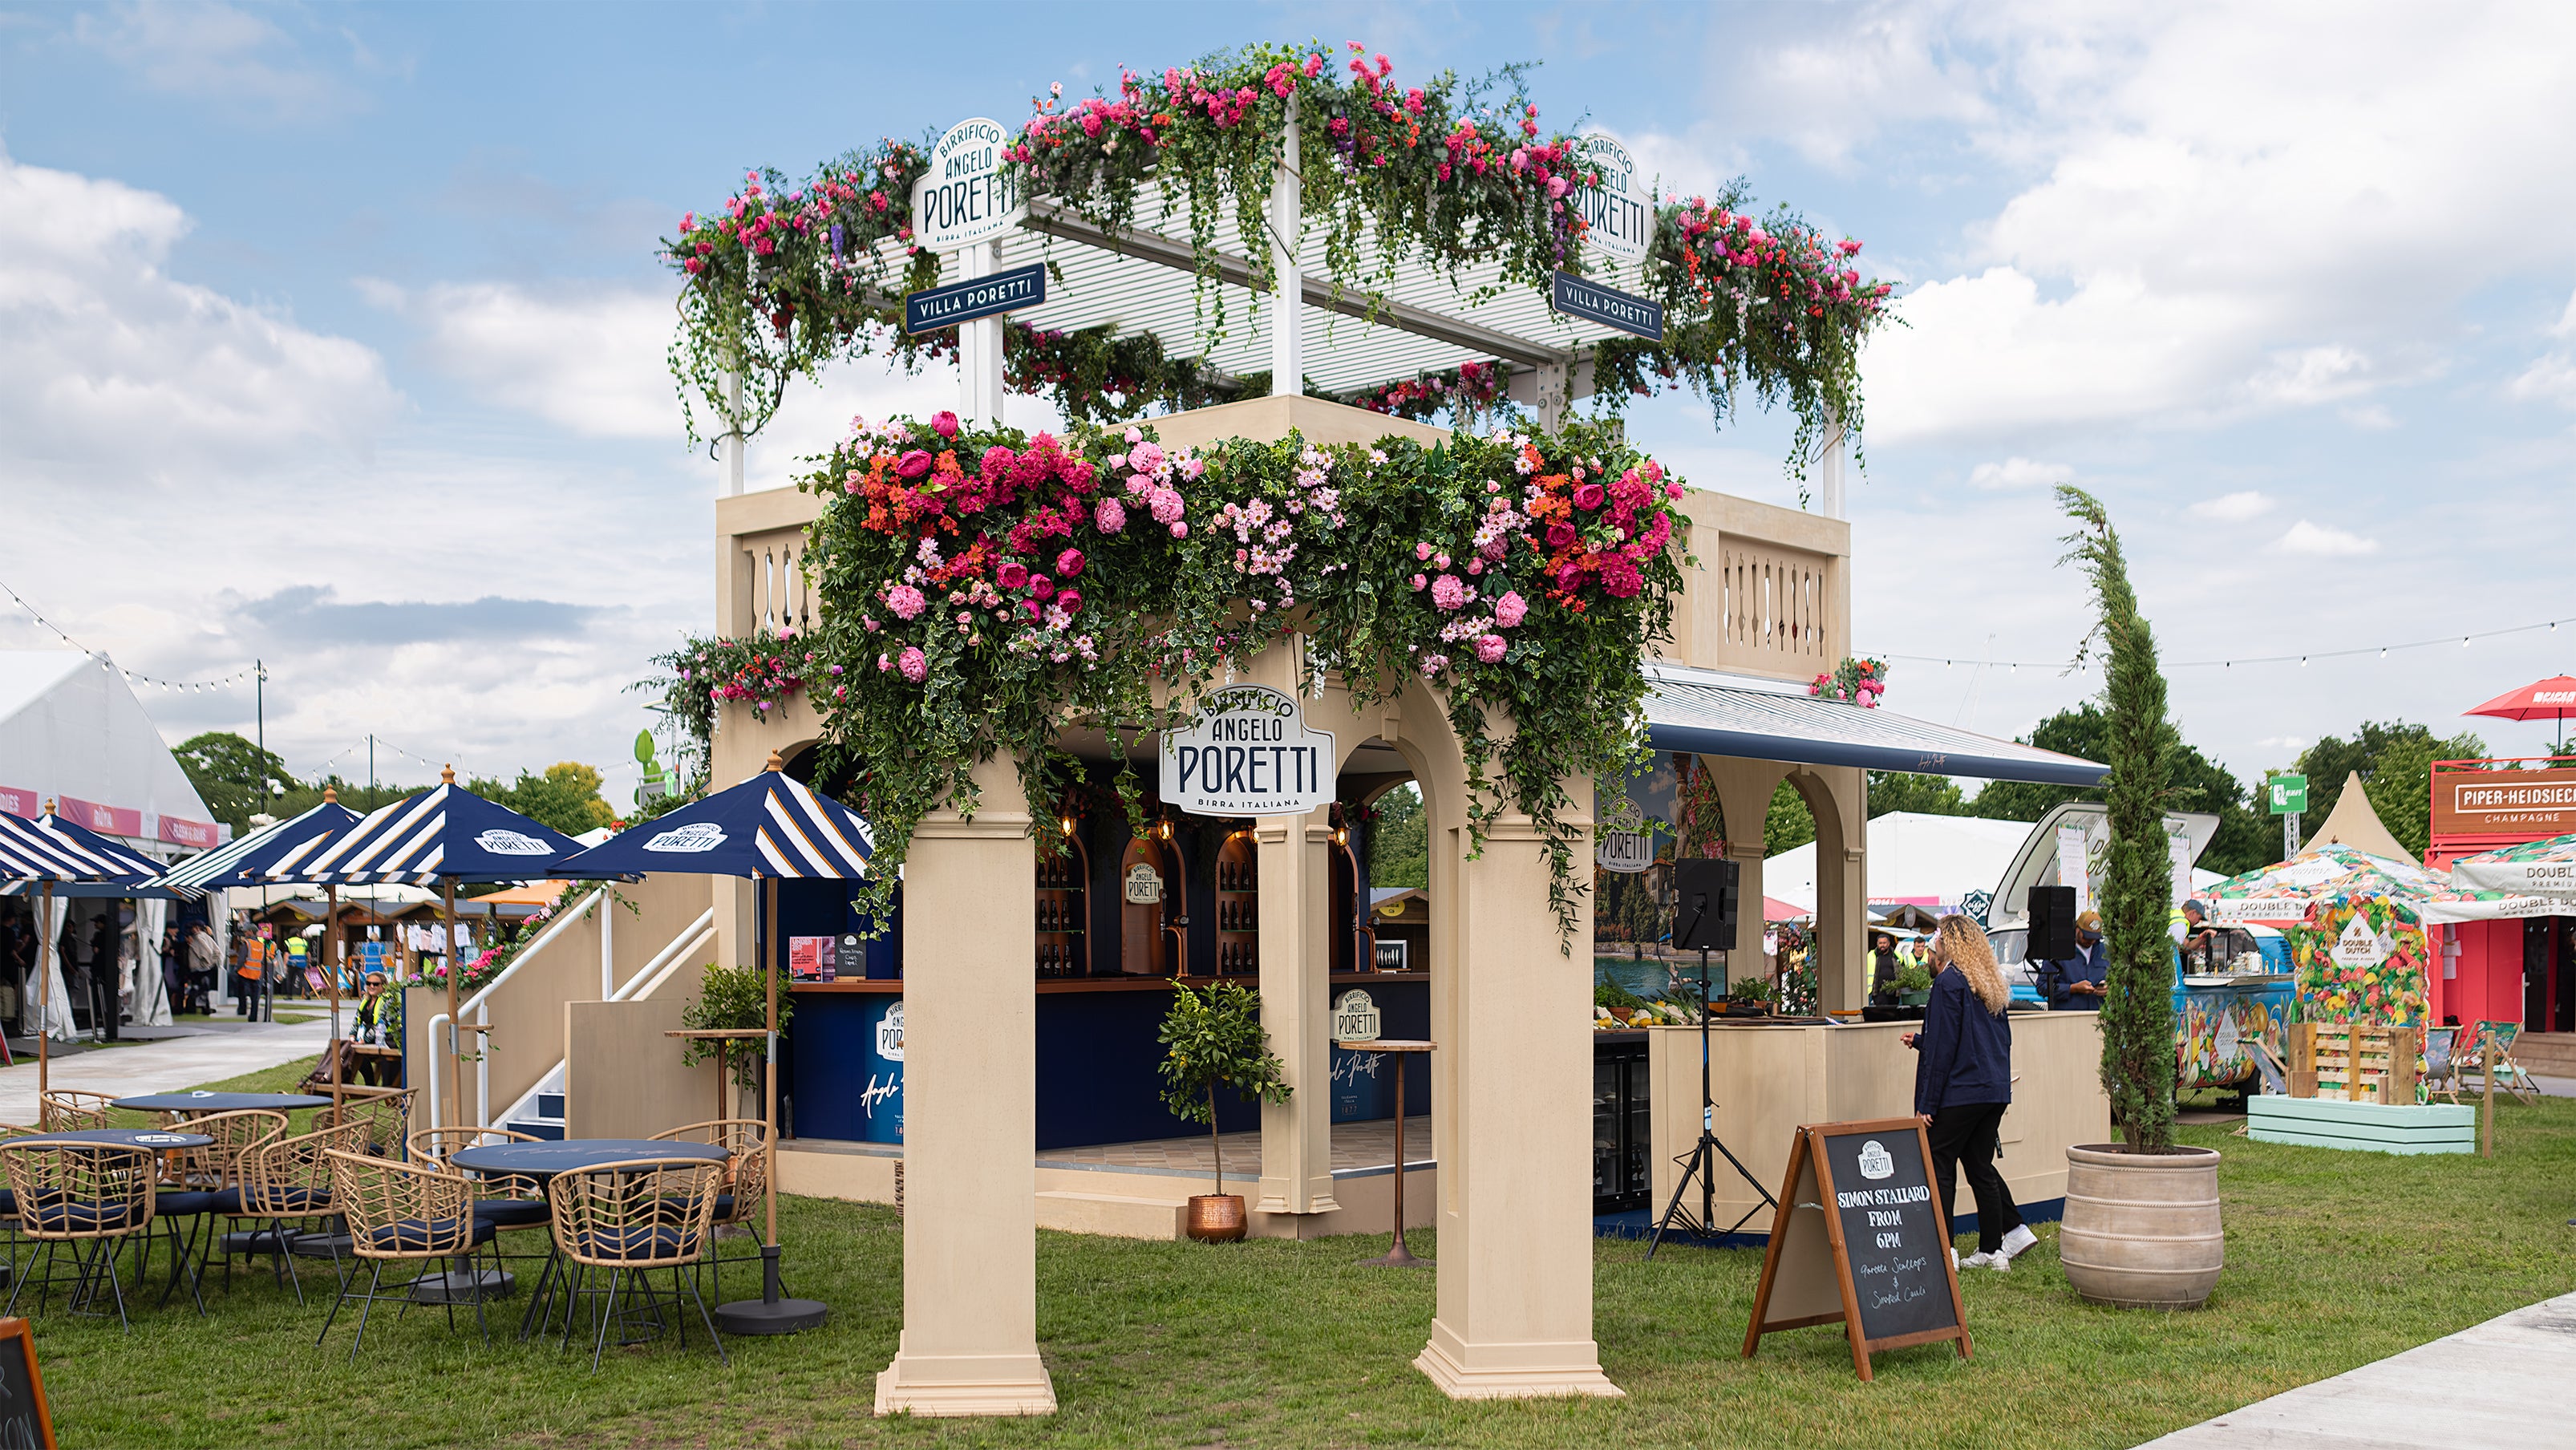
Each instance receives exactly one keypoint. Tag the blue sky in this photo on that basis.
(332, 335)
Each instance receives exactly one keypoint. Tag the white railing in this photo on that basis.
(479, 1006)
(647, 980)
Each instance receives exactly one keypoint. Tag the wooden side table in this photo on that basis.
(722, 1037)
(1397, 1257)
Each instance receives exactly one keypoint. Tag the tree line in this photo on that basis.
(237, 780)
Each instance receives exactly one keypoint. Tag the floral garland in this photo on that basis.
(1465, 389)
(791, 275)
(1854, 682)
(985, 589)
(703, 675)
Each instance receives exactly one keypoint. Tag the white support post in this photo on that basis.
(979, 346)
(1826, 469)
(729, 444)
(1287, 298)
(1555, 383)
(607, 946)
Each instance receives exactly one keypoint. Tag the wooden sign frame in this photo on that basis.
(1809, 1186)
(23, 1332)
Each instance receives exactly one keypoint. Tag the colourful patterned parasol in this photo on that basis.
(2280, 894)
(2544, 868)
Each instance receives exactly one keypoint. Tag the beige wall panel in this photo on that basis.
(623, 1076)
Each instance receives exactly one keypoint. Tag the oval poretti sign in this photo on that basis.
(1249, 754)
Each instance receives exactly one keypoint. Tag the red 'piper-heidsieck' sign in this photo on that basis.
(2524, 805)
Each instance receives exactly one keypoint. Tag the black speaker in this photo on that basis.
(1705, 909)
(2051, 912)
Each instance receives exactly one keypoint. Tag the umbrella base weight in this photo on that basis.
(773, 1312)
(463, 1286)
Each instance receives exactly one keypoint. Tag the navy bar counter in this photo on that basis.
(1099, 1065)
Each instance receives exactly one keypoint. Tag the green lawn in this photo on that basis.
(2333, 1259)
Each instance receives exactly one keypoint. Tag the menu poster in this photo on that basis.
(1860, 1240)
(812, 958)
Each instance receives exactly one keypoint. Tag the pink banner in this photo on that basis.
(195, 835)
(107, 820)
(20, 803)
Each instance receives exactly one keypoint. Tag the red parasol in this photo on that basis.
(2550, 699)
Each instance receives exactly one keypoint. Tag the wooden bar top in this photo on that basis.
(1048, 985)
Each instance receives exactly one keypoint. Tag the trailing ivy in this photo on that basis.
(1443, 175)
(986, 591)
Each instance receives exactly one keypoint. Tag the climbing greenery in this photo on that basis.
(985, 592)
(1456, 178)
(2137, 1005)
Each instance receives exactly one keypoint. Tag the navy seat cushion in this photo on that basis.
(8, 1204)
(296, 1202)
(511, 1212)
(59, 1216)
(190, 1202)
(634, 1241)
(420, 1235)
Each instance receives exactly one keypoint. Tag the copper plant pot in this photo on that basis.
(1216, 1218)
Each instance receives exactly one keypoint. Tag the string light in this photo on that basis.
(2382, 650)
(135, 677)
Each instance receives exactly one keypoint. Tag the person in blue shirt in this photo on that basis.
(2075, 983)
(1963, 1083)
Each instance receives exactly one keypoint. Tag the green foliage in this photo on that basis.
(2395, 760)
(1751, 989)
(2246, 838)
(1914, 977)
(1398, 839)
(731, 999)
(1213, 1039)
(1788, 823)
(1607, 993)
(1891, 791)
(566, 797)
(2137, 1008)
(357, 797)
(235, 778)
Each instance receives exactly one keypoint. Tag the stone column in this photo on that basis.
(1838, 796)
(969, 1344)
(1296, 986)
(1513, 1124)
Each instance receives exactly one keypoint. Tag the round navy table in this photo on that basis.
(119, 1137)
(219, 1102)
(546, 1159)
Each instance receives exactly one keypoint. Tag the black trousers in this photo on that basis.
(1965, 1135)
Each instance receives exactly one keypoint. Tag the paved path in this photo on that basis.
(2498, 1383)
(206, 1054)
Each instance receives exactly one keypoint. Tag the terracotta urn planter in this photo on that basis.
(2142, 1229)
(1216, 1218)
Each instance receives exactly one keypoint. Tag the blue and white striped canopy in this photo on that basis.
(770, 827)
(62, 852)
(281, 845)
(443, 831)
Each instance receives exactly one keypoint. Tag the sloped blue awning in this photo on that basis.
(1713, 714)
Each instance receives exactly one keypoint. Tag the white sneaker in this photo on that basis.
(2015, 1242)
(1996, 1262)
(1954, 1250)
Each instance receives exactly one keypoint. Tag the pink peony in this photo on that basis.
(1588, 496)
(1673, 488)
(1511, 609)
(1145, 457)
(1069, 600)
(1490, 647)
(1180, 529)
(1110, 515)
(1560, 535)
(1012, 575)
(905, 601)
(1068, 563)
(1422, 551)
(1166, 504)
(914, 666)
(944, 423)
(1420, 579)
(1041, 586)
(913, 464)
(1448, 591)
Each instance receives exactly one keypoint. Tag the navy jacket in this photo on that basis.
(2085, 966)
(1966, 1051)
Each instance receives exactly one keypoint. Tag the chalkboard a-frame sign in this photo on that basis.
(24, 1418)
(1861, 1240)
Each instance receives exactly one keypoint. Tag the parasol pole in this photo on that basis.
(769, 1073)
(44, 1000)
(331, 958)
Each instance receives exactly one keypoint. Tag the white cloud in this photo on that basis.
(2020, 473)
(1883, 67)
(2232, 508)
(2369, 418)
(2551, 378)
(217, 53)
(111, 360)
(590, 360)
(2324, 541)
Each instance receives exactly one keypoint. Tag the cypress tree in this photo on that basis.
(2137, 1005)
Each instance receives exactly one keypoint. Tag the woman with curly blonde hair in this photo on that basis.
(1963, 1083)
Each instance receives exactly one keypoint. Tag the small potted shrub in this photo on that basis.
(1213, 1039)
(730, 999)
(1749, 997)
(2142, 1224)
(1618, 1001)
(1913, 985)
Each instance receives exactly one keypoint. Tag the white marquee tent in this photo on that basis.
(1932, 861)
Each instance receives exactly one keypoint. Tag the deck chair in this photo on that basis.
(2510, 1075)
(2441, 1063)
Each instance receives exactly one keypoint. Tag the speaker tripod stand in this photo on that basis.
(1700, 1164)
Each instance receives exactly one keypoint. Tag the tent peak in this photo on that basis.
(775, 762)
(2355, 822)
(447, 775)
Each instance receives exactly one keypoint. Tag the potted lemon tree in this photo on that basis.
(2142, 1218)
(1213, 1039)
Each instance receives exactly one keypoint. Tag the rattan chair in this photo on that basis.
(631, 1218)
(743, 1188)
(199, 1185)
(289, 1180)
(66, 1110)
(385, 1111)
(89, 1196)
(510, 1202)
(398, 1212)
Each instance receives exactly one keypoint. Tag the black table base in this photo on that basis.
(463, 1286)
(772, 1312)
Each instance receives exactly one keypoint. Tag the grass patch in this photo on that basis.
(2334, 1259)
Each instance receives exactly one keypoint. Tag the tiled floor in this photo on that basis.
(1355, 1146)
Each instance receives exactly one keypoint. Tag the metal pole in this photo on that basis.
(769, 1068)
(1707, 1107)
(44, 1002)
(2289, 834)
(455, 1029)
(1288, 289)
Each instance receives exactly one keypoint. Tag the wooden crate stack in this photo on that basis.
(2356, 1061)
